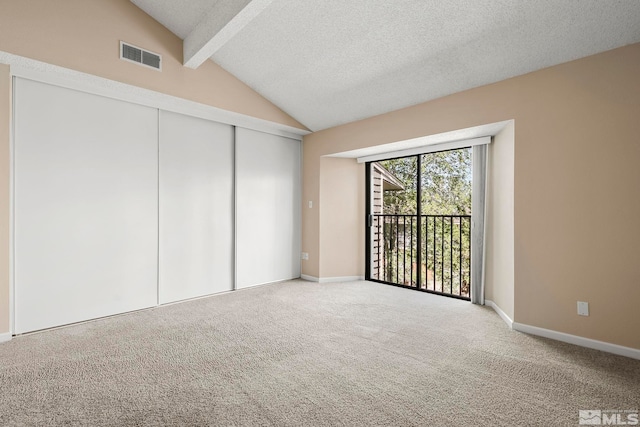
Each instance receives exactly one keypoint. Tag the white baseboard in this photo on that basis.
(501, 313)
(568, 338)
(5, 337)
(331, 279)
(581, 341)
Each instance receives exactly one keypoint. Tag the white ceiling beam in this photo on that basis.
(223, 21)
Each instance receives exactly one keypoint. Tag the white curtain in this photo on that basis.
(478, 211)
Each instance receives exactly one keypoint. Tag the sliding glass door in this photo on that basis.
(419, 222)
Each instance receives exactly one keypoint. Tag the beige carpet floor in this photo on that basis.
(299, 353)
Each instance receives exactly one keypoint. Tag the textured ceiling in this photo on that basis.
(334, 61)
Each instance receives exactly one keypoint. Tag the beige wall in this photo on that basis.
(5, 120)
(85, 35)
(499, 221)
(576, 182)
(342, 210)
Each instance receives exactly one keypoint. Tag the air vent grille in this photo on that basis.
(140, 56)
(151, 59)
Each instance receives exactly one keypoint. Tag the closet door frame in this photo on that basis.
(196, 222)
(86, 206)
(248, 188)
(23, 67)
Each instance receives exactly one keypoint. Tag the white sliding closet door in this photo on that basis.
(268, 208)
(86, 200)
(196, 207)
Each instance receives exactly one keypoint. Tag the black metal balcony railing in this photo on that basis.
(445, 252)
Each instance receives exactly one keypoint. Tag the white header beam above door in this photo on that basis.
(223, 21)
(454, 145)
(390, 148)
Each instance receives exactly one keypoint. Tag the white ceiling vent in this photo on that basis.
(132, 53)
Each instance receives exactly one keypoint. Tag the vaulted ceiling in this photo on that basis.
(329, 62)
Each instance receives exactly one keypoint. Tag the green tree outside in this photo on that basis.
(446, 190)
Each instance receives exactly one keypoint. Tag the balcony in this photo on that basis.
(444, 256)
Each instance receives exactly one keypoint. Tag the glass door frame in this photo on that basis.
(369, 235)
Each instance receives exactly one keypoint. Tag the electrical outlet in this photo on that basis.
(310, 204)
(305, 256)
(583, 308)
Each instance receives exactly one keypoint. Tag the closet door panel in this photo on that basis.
(86, 201)
(196, 207)
(268, 208)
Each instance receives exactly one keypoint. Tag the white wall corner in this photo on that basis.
(341, 279)
(620, 350)
(331, 279)
(5, 337)
(500, 312)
